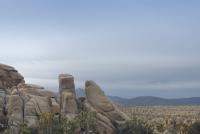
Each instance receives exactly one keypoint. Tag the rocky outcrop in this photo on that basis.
(68, 102)
(28, 102)
(108, 116)
(9, 77)
(23, 102)
(20, 102)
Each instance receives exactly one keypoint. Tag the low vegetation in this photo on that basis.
(135, 126)
(85, 123)
(167, 119)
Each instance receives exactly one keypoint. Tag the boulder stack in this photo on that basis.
(20, 102)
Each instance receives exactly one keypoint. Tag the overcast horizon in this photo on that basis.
(130, 48)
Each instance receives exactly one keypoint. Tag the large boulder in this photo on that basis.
(104, 125)
(34, 108)
(97, 98)
(9, 77)
(28, 102)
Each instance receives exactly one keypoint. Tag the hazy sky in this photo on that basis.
(129, 47)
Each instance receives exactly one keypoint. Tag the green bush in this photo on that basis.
(87, 122)
(194, 128)
(23, 129)
(6, 131)
(135, 126)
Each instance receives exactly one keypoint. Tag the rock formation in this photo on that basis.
(28, 102)
(68, 104)
(107, 114)
(20, 102)
(9, 77)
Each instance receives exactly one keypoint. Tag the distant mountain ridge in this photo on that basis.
(151, 101)
(148, 100)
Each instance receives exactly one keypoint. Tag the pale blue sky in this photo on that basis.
(130, 47)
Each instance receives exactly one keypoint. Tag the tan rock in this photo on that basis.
(2, 101)
(102, 104)
(102, 128)
(104, 125)
(55, 107)
(32, 100)
(9, 77)
(69, 104)
(66, 83)
(97, 98)
(3, 107)
(15, 108)
(42, 104)
(32, 121)
(33, 90)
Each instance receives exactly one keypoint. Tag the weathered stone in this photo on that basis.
(32, 121)
(66, 83)
(2, 100)
(97, 98)
(33, 100)
(15, 110)
(33, 90)
(3, 109)
(102, 104)
(29, 86)
(55, 107)
(102, 128)
(9, 77)
(28, 102)
(68, 104)
(30, 109)
(104, 125)
(42, 104)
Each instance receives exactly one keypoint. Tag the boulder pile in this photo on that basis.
(21, 102)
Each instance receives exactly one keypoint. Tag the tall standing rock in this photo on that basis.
(9, 77)
(68, 104)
